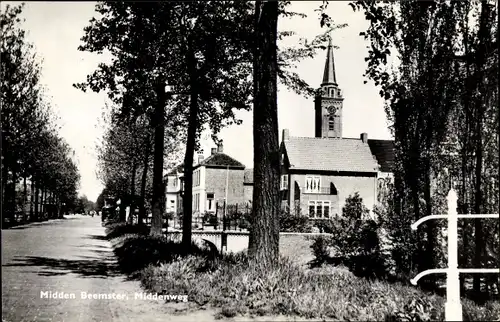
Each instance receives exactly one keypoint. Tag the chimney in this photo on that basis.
(214, 151)
(286, 135)
(364, 137)
(200, 158)
(220, 147)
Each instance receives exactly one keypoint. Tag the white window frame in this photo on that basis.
(284, 182)
(314, 186)
(322, 205)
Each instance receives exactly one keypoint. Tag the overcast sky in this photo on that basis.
(55, 28)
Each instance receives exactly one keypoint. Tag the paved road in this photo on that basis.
(70, 256)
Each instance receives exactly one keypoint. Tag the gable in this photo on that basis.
(284, 161)
(384, 152)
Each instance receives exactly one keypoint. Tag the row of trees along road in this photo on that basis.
(125, 157)
(218, 57)
(32, 150)
(442, 101)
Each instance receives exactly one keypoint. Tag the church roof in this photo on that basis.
(330, 154)
(383, 150)
(329, 73)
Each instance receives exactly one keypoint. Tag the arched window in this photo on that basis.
(331, 124)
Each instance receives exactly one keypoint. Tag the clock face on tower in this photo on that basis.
(331, 107)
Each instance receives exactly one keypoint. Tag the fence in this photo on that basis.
(453, 306)
(233, 217)
(236, 241)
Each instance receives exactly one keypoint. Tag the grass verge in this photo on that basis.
(231, 284)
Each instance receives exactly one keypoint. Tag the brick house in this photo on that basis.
(217, 178)
(319, 173)
(248, 185)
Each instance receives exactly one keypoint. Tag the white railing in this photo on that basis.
(453, 306)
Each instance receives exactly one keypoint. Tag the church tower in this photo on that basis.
(328, 102)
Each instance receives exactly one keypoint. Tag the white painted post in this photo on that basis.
(453, 306)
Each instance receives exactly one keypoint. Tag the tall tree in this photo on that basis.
(432, 100)
(263, 245)
(484, 41)
(31, 147)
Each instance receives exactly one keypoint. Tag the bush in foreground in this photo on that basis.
(290, 290)
(135, 249)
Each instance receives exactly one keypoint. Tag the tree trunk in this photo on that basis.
(13, 193)
(142, 201)
(42, 203)
(431, 226)
(37, 196)
(483, 36)
(263, 246)
(132, 195)
(5, 173)
(32, 198)
(187, 199)
(159, 146)
(25, 196)
(414, 185)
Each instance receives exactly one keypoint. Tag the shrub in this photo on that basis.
(417, 309)
(169, 215)
(244, 224)
(354, 241)
(294, 223)
(114, 230)
(210, 219)
(325, 225)
(136, 252)
(320, 248)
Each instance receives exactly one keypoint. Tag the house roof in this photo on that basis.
(330, 154)
(221, 160)
(383, 150)
(215, 160)
(248, 176)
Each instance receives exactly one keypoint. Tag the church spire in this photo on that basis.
(329, 73)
